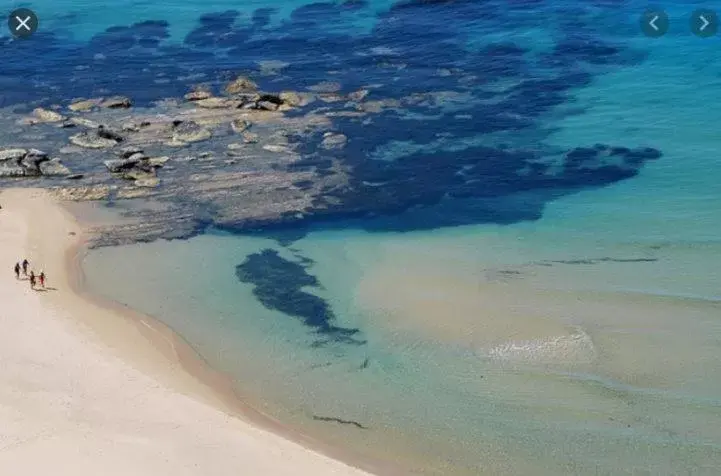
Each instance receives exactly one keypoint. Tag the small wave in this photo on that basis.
(575, 348)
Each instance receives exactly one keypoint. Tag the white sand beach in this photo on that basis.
(87, 391)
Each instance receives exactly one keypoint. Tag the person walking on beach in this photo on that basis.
(32, 280)
(17, 270)
(26, 263)
(42, 279)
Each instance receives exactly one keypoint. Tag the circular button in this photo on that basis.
(22, 23)
(704, 23)
(654, 23)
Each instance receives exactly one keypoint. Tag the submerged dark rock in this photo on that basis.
(278, 284)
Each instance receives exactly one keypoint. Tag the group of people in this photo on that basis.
(34, 279)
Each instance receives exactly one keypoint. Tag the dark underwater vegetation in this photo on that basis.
(278, 284)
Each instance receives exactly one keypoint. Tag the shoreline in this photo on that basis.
(148, 345)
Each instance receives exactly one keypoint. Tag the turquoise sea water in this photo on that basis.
(582, 338)
(479, 358)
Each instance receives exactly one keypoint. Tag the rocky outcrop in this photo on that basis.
(267, 105)
(100, 138)
(55, 168)
(84, 105)
(189, 131)
(134, 165)
(116, 102)
(197, 95)
(292, 99)
(108, 133)
(29, 163)
(46, 115)
(241, 85)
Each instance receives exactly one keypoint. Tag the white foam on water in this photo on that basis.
(575, 348)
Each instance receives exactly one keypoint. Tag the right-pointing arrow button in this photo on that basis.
(704, 23)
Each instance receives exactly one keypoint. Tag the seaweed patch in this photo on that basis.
(278, 284)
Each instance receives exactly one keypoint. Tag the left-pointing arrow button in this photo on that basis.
(654, 23)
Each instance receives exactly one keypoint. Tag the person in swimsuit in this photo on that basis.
(32, 280)
(17, 270)
(42, 279)
(26, 263)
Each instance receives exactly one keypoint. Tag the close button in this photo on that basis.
(22, 23)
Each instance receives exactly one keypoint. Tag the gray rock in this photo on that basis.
(128, 151)
(11, 170)
(84, 105)
(130, 127)
(292, 99)
(240, 125)
(137, 157)
(108, 133)
(121, 165)
(24, 163)
(91, 140)
(197, 95)
(267, 105)
(189, 131)
(82, 122)
(158, 161)
(32, 160)
(241, 85)
(138, 174)
(333, 141)
(54, 168)
(116, 102)
(45, 115)
(12, 154)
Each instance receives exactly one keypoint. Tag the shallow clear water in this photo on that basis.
(570, 328)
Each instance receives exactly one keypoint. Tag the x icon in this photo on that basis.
(22, 23)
